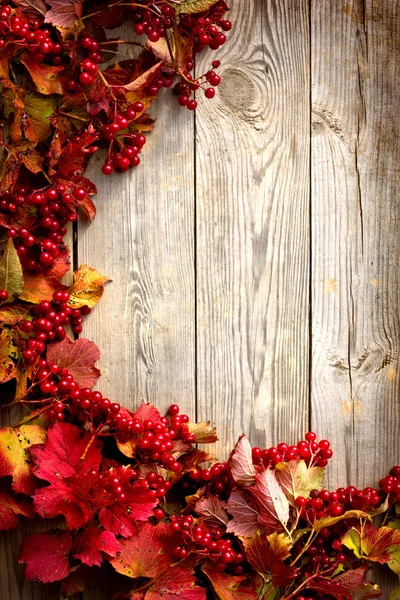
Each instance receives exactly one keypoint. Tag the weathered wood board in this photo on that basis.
(255, 252)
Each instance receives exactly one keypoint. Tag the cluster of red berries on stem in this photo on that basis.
(309, 450)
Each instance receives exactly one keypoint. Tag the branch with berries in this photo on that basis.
(132, 492)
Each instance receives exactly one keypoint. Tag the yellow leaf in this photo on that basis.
(88, 287)
(11, 276)
(203, 432)
(14, 458)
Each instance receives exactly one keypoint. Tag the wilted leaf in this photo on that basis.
(63, 13)
(90, 544)
(143, 554)
(212, 510)
(271, 501)
(46, 555)
(177, 583)
(14, 458)
(241, 463)
(296, 479)
(45, 77)
(203, 432)
(78, 357)
(10, 508)
(245, 514)
(88, 287)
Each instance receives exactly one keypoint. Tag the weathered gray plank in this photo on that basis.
(253, 229)
(355, 232)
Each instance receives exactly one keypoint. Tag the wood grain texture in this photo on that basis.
(252, 227)
(355, 233)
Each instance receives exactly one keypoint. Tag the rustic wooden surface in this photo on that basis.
(255, 252)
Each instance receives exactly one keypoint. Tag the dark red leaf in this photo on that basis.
(10, 508)
(89, 546)
(144, 554)
(78, 357)
(46, 556)
(176, 584)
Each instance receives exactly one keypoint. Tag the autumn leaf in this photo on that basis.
(395, 594)
(212, 510)
(143, 554)
(245, 514)
(63, 499)
(14, 313)
(32, 6)
(37, 288)
(352, 578)
(203, 432)
(88, 287)
(78, 357)
(10, 508)
(45, 77)
(14, 456)
(90, 545)
(323, 585)
(18, 155)
(372, 543)
(271, 501)
(121, 518)
(296, 479)
(349, 514)
(180, 46)
(75, 582)
(63, 13)
(147, 411)
(76, 154)
(266, 555)
(46, 556)
(144, 80)
(61, 456)
(241, 463)
(36, 122)
(367, 590)
(193, 6)
(178, 583)
(233, 587)
(9, 354)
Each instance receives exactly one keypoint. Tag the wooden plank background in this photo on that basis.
(255, 252)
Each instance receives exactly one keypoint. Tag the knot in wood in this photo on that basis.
(237, 90)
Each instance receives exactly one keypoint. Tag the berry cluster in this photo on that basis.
(309, 450)
(391, 483)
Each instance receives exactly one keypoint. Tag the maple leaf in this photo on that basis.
(63, 13)
(371, 543)
(266, 555)
(35, 121)
(88, 287)
(89, 546)
(76, 154)
(14, 456)
(10, 508)
(37, 288)
(296, 479)
(46, 556)
(61, 456)
(203, 432)
(143, 554)
(45, 77)
(241, 463)
(233, 587)
(11, 275)
(177, 584)
(121, 519)
(147, 411)
(271, 501)
(78, 357)
(13, 314)
(212, 510)
(245, 514)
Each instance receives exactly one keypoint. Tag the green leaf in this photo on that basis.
(394, 562)
(395, 594)
(194, 6)
(11, 276)
(38, 110)
(352, 541)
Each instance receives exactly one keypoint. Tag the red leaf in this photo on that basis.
(89, 545)
(266, 555)
(76, 154)
(147, 411)
(45, 77)
(61, 456)
(121, 519)
(143, 554)
(63, 13)
(62, 499)
(212, 510)
(46, 555)
(10, 508)
(351, 579)
(271, 501)
(245, 514)
(145, 79)
(176, 584)
(78, 357)
(241, 463)
(325, 586)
